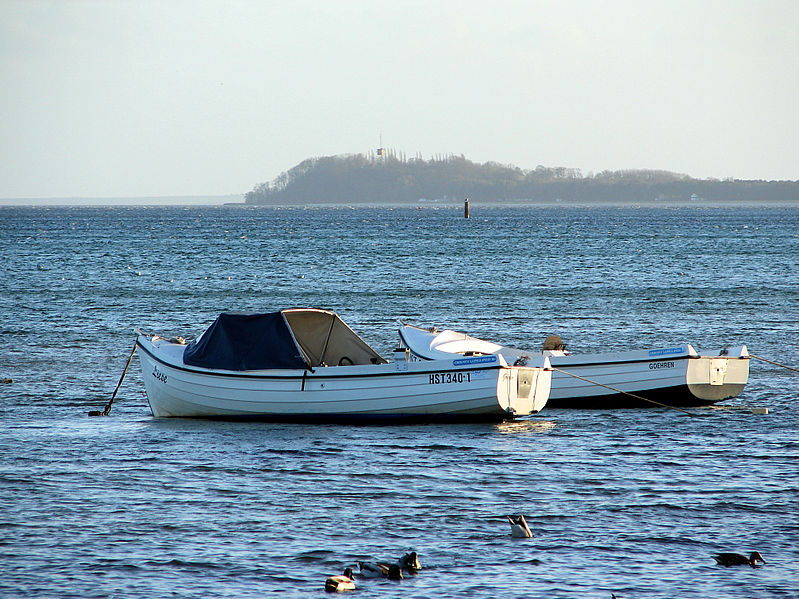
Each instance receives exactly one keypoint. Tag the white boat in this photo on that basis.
(308, 365)
(675, 375)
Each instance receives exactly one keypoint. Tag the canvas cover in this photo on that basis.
(326, 340)
(245, 342)
(289, 339)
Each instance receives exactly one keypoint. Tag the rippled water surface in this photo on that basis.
(631, 502)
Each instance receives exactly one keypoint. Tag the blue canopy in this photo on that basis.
(298, 338)
(245, 342)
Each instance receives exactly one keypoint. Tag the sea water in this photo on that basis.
(631, 502)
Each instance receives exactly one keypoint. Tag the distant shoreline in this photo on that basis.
(390, 178)
(180, 200)
(455, 206)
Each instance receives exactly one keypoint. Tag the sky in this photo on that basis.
(121, 98)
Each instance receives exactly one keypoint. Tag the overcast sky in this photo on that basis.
(138, 98)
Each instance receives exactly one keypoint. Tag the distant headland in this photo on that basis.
(386, 177)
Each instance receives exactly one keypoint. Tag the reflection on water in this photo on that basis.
(522, 426)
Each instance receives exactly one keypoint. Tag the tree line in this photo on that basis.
(390, 177)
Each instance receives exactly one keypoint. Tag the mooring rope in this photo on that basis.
(775, 363)
(119, 384)
(657, 403)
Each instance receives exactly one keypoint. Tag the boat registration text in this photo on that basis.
(441, 378)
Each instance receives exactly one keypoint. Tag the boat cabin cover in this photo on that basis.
(298, 338)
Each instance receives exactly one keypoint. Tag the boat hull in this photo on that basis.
(672, 376)
(679, 378)
(451, 390)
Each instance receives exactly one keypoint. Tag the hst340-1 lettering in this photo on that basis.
(442, 378)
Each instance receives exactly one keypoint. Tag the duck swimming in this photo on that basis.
(519, 528)
(338, 584)
(410, 562)
(394, 572)
(736, 559)
(372, 570)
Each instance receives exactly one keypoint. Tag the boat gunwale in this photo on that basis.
(306, 374)
(666, 359)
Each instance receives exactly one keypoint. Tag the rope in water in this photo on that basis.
(107, 409)
(775, 363)
(657, 403)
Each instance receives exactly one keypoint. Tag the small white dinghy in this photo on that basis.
(674, 376)
(308, 365)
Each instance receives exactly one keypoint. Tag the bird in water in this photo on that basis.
(736, 559)
(518, 527)
(371, 570)
(338, 584)
(410, 562)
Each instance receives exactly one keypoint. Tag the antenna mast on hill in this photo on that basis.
(381, 151)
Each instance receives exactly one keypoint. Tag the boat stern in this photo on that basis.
(524, 390)
(714, 378)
